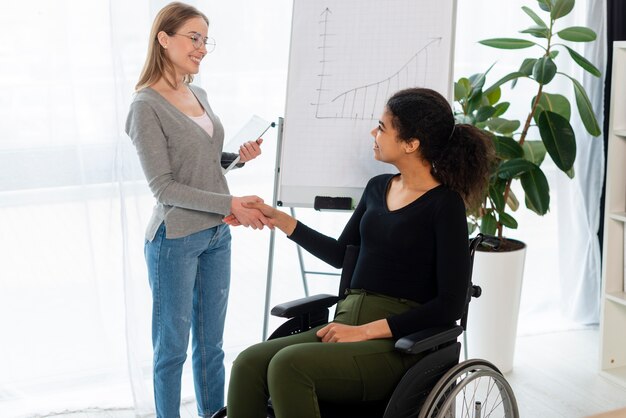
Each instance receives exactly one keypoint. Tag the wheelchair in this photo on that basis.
(437, 386)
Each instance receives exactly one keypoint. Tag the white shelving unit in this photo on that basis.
(613, 319)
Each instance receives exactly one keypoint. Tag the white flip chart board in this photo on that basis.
(346, 58)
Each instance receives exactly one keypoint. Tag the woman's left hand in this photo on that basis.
(250, 150)
(341, 333)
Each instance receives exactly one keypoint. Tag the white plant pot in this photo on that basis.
(492, 319)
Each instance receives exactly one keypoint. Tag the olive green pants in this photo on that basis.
(297, 370)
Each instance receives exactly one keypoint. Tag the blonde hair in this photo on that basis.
(158, 65)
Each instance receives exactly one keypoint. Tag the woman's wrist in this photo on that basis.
(286, 223)
(377, 329)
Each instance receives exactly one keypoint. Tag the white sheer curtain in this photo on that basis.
(61, 289)
(579, 212)
(562, 271)
(74, 297)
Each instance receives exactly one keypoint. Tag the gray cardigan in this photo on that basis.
(182, 163)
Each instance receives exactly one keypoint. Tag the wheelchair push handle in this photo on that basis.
(476, 291)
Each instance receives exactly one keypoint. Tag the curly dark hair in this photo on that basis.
(461, 156)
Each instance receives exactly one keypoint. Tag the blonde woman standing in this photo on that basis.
(179, 142)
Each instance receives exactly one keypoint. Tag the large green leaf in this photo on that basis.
(485, 113)
(460, 92)
(561, 8)
(496, 194)
(534, 151)
(556, 103)
(475, 101)
(494, 96)
(486, 100)
(477, 81)
(514, 168)
(577, 34)
(529, 204)
(583, 62)
(466, 84)
(507, 43)
(537, 31)
(554, 53)
(464, 89)
(544, 70)
(545, 5)
(501, 108)
(526, 68)
(503, 126)
(537, 191)
(506, 78)
(584, 108)
(507, 148)
(534, 16)
(507, 220)
(488, 224)
(559, 138)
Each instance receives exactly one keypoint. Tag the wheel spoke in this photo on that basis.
(458, 391)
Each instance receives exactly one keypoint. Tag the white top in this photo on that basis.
(205, 123)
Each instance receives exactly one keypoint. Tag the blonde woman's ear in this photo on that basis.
(162, 38)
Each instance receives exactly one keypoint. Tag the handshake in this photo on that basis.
(252, 211)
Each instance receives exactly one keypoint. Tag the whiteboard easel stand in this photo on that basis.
(270, 261)
(303, 271)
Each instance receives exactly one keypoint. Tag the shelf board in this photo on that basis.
(618, 216)
(617, 297)
(620, 132)
(617, 375)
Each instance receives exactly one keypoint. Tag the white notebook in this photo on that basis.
(251, 131)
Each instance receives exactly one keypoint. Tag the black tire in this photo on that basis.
(470, 386)
(418, 382)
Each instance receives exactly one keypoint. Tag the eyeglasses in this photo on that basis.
(197, 40)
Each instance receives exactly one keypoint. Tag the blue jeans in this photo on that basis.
(189, 278)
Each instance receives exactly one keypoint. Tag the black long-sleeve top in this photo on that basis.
(418, 252)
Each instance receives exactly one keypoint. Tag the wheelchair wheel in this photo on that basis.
(474, 388)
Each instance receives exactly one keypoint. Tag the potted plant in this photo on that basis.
(519, 157)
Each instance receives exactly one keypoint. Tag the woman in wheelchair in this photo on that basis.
(411, 272)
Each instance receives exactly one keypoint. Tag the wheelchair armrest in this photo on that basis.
(305, 305)
(428, 338)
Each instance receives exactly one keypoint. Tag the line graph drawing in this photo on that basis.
(346, 57)
(324, 46)
(365, 101)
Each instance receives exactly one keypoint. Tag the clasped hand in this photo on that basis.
(246, 216)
